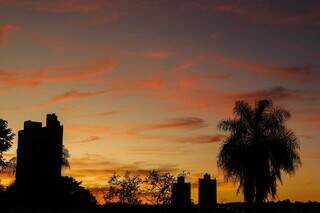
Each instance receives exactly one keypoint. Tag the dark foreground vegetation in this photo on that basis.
(273, 207)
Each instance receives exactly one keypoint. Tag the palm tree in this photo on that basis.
(258, 148)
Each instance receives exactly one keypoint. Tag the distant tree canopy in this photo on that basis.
(154, 188)
(159, 187)
(258, 148)
(123, 190)
(6, 137)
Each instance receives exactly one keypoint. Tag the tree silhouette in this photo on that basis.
(159, 186)
(258, 148)
(123, 190)
(6, 137)
(65, 155)
(2, 194)
(70, 193)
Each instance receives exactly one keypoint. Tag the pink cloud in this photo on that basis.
(275, 93)
(57, 6)
(121, 86)
(194, 81)
(5, 29)
(74, 72)
(93, 12)
(267, 13)
(298, 73)
(118, 87)
(62, 44)
(221, 101)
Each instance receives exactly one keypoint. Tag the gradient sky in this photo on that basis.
(141, 84)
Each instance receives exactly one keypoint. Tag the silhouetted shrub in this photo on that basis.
(70, 193)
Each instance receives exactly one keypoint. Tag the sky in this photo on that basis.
(142, 84)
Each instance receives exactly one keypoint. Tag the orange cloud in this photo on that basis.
(94, 170)
(70, 95)
(311, 119)
(311, 155)
(5, 29)
(202, 139)
(198, 139)
(117, 86)
(86, 128)
(109, 113)
(12, 78)
(89, 139)
(184, 123)
(157, 151)
(158, 55)
(148, 84)
(83, 72)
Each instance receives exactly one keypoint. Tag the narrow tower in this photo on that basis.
(181, 193)
(207, 192)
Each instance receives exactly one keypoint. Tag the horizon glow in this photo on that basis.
(141, 84)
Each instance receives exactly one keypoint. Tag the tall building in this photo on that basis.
(207, 192)
(181, 193)
(39, 154)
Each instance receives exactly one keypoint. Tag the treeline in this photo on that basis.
(155, 188)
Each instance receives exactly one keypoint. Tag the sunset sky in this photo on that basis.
(141, 84)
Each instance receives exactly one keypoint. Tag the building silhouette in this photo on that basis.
(207, 191)
(39, 155)
(181, 193)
